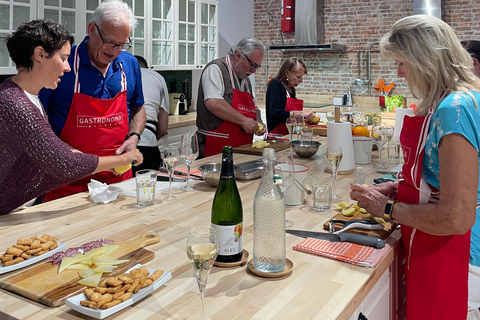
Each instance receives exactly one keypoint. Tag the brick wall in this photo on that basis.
(355, 24)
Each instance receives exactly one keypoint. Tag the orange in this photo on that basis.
(361, 131)
(352, 129)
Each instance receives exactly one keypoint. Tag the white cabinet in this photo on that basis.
(208, 32)
(376, 305)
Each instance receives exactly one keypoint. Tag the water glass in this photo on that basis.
(322, 197)
(146, 181)
(307, 135)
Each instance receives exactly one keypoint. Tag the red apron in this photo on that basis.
(293, 104)
(229, 133)
(96, 126)
(436, 268)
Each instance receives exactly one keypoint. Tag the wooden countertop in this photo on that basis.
(318, 288)
(175, 121)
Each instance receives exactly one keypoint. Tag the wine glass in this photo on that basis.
(290, 123)
(170, 159)
(285, 170)
(300, 123)
(334, 156)
(379, 140)
(188, 152)
(202, 250)
(387, 132)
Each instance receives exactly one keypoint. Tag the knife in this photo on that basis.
(342, 237)
(180, 173)
(166, 178)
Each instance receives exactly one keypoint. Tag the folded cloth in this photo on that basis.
(344, 251)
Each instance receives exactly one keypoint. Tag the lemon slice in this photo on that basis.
(348, 212)
(122, 169)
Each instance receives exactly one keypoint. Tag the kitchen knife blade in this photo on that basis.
(342, 237)
(180, 173)
(166, 178)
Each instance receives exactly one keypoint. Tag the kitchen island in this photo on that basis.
(318, 288)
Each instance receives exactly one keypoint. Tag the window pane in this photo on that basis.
(191, 54)
(4, 56)
(89, 18)
(139, 48)
(213, 34)
(4, 17)
(139, 10)
(23, 1)
(167, 28)
(21, 14)
(191, 11)
(68, 4)
(157, 9)
(182, 54)
(167, 9)
(204, 54)
(167, 54)
(129, 2)
(191, 32)
(68, 21)
(92, 4)
(140, 29)
(204, 18)
(52, 14)
(182, 32)
(156, 53)
(213, 15)
(213, 52)
(157, 29)
(182, 10)
(204, 34)
(52, 3)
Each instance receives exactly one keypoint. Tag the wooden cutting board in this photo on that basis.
(43, 284)
(248, 149)
(320, 130)
(389, 226)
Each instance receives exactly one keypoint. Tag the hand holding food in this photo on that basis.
(25, 248)
(370, 199)
(260, 129)
(122, 169)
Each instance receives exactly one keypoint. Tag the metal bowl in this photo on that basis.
(305, 149)
(211, 173)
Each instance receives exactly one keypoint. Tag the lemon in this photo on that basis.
(342, 204)
(356, 207)
(315, 119)
(368, 216)
(122, 169)
(348, 212)
(260, 128)
(380, 220)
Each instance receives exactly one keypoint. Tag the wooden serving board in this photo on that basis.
(320, 130)
(389, 226)
(248, 149)
(43, 284)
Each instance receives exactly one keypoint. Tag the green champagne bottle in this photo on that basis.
(227, 212)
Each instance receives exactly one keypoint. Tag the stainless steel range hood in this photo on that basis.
(309, 29)
(428, 7)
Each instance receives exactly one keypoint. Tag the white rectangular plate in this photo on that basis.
(74, 302)
(61, 246)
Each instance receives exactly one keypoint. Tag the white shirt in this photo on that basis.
(36, 101)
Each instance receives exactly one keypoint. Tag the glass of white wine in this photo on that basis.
(379, 140)
(290, 123)
(202, 250)
(170, 159)
(188, 152)
(334, 156)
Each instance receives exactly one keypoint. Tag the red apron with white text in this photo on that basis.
(229, 133)
(96, 126)
(436, 267)
(293, 104)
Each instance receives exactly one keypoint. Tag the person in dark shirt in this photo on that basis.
(473, 47)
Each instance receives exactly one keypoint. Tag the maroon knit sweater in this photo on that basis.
(33, 160)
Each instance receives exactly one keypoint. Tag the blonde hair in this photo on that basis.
(437, 62)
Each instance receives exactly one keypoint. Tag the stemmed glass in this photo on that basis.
(170, 159)
(290, 123)
(387, 132)
(334, 156)
(300, 123)
(285, 169)
(202, 250)
(188, 152)
(379, 140)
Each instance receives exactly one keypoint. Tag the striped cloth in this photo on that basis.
(344, 251)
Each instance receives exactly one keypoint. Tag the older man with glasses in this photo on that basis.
(226, 111)
(98, 107)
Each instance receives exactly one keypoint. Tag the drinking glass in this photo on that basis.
(300, 123)
(286, 171)
(290, 123)
(387, 132)
(170, 159)
(334, 156)
(202, 250)
(379, 140)
(188, 152)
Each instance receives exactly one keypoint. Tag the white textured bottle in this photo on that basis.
(269, 248)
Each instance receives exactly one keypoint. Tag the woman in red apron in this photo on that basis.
(280, 96)
(435, 225)
(229, 133)
(96, 126)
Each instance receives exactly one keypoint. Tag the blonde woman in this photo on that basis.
(436, 200)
